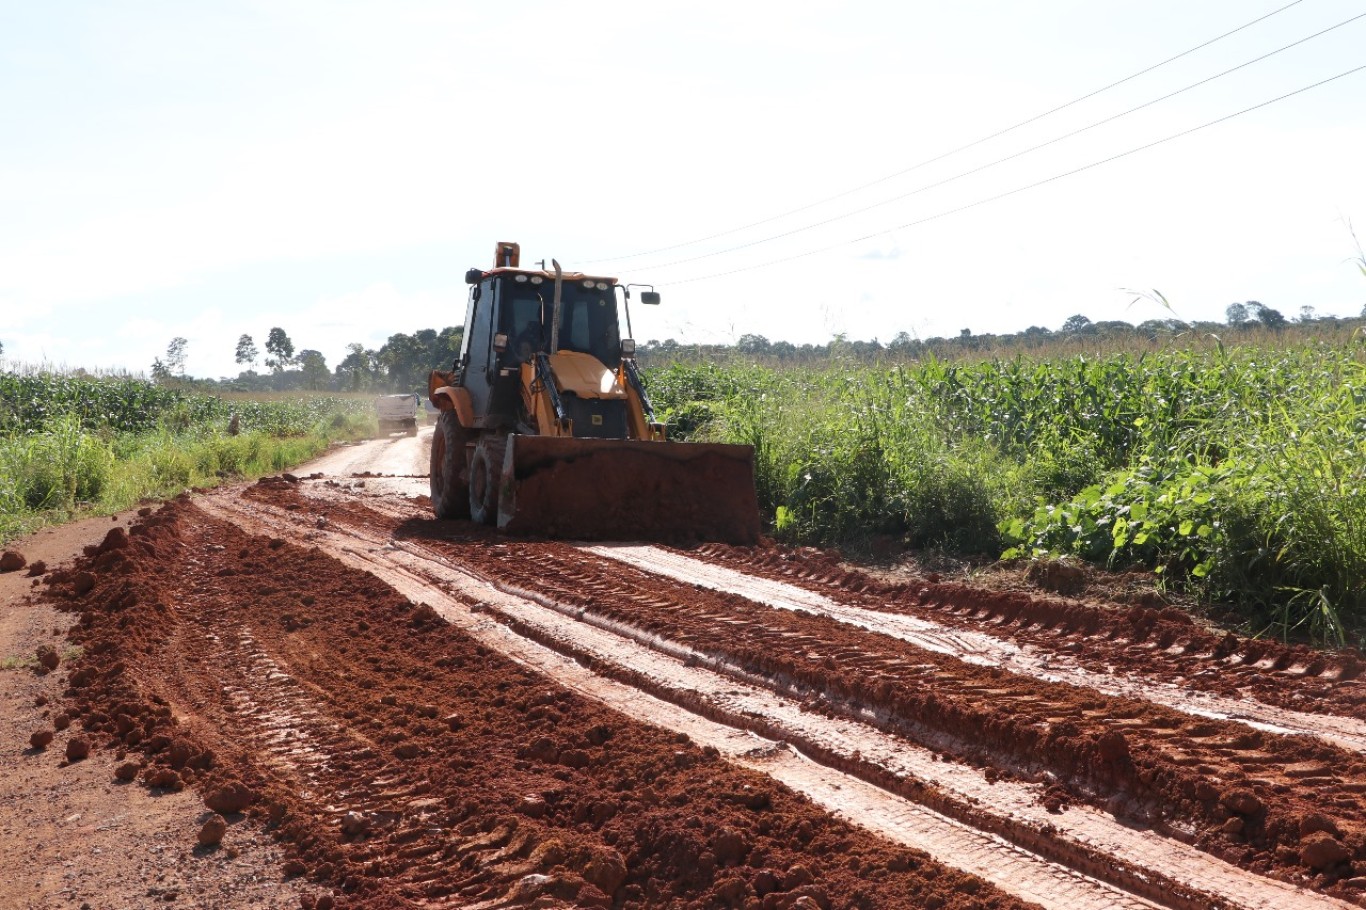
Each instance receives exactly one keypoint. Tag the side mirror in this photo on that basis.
(628, 347)
(649, 298)
(473, 276)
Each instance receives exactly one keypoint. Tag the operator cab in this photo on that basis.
(588, 317)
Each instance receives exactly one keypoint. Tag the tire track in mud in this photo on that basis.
(1160, 644)
(987, 650)
(282, 728)
(524, 795)
(701, 704)
(994, 794)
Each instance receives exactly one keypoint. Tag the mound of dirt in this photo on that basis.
(402, 762)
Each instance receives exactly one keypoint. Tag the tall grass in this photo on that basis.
(1236, 474)
(71, 445)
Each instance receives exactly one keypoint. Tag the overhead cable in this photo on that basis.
(954, 151)
(938, 183)
(1021, 189)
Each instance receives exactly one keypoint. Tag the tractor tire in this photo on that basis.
(449, 473)
(486, 473)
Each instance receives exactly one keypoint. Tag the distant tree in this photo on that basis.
(2, 347)
(1153, 329)
(1236, 314)
(280, 349)
(357, 369)
(246, 351)
(1077, 325)
(407, 359)
(1113, 328)
(1272, 319)
(160, 374)
(753, 344)
(314, 368)
(175, 356)
(1306, 315)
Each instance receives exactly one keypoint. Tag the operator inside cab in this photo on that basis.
(588, 321)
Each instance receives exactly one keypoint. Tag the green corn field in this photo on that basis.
(1236, 475)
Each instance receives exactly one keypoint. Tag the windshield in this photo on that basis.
(588, 319)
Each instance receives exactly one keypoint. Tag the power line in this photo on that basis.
(938, 183)
(954, 151)
(1021, 189)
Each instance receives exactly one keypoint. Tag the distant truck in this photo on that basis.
(397, 412)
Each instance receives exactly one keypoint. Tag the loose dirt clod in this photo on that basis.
(1057, 576)
(1321, 850)
(12, 561)
(164, 779)
(40, 739)
(234, 796)
(1243, 802)
(213, 830)
(353, 824)
(116, 539)
(81, 583)
(127, 771)
(48, 658)
(77, 748)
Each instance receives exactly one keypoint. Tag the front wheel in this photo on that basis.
(449, 473)
(486, 470)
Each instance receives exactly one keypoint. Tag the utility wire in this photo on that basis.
(1021, 189)
(1034, 148)
(942, 156)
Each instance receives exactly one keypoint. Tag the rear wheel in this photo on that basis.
(449, 474)
(486, 470)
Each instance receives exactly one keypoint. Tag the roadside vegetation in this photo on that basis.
(78, 444)
(1236, 474)
(1225, 458)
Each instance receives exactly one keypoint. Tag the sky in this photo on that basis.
(793, 170)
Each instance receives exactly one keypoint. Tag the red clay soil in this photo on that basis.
(1282, 806)
(400, 762)
(1150, 764)
(1161, 642)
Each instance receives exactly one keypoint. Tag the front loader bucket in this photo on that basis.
(621, 489)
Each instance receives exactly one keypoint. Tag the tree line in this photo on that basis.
(402, 363)
(1243, 320)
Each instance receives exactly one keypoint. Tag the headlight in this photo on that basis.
(536, 279)
(500, 342)
(520, 279)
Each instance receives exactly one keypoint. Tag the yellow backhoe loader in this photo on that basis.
(546, 429)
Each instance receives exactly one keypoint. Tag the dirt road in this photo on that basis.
(423, 713)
